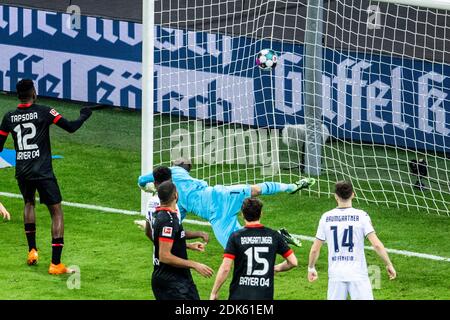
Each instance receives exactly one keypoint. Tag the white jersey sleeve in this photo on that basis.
(321, 232)
(367, 224)
(152, 204)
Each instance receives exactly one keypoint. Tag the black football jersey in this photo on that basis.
(254, 249)
(166, 226)
(29, 125)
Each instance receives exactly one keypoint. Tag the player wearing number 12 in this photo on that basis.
(253, 250)
(344, 229)
(29, 125)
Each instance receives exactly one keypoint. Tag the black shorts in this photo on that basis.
(48, 189)
(174, 290)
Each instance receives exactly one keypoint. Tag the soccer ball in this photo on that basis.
(266, 59)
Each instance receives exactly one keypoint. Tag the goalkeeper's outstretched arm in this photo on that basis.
(143, 180)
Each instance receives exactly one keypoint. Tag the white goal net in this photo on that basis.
(383, 94)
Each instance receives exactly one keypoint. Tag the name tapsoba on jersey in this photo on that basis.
(254, 251)
(344, 229)
(29, 125)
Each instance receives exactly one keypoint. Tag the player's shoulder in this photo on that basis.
(163, 216)
(359, 212)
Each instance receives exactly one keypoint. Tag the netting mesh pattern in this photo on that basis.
(384, 95)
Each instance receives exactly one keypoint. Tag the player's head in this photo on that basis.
(161, 174)
(185, 163)
(252, 209)
(25, 90)
(167, 193)
(344, 191)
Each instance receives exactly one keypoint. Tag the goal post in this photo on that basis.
(361, 91)
(148, 45)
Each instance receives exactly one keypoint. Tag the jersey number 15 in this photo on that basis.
(253, 254)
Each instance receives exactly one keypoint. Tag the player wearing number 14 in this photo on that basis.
(344, 229)
(29, 125)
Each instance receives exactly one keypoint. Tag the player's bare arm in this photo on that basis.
(382, 253)
(196, 246)
(4, 213)
(221, 277)
(190, 235)
(289, 263)
(313, 257)
(166, 256)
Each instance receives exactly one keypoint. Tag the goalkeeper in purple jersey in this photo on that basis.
(220, 204)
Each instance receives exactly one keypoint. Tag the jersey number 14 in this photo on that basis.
(347, 239)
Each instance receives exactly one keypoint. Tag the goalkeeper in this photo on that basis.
(220, 204)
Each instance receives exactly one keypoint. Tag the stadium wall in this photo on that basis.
(101, 63)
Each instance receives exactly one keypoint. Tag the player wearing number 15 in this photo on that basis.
(253, 250)
(344, 229)
(29, 125)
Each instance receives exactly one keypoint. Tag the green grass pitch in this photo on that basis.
(100, 166)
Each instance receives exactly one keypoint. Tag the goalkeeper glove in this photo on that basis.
(149, 187)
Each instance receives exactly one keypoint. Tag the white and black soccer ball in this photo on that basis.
(266, 59)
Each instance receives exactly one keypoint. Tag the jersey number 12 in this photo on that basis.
(22, 142)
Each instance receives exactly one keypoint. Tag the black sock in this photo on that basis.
(30, 232)
(57, 247)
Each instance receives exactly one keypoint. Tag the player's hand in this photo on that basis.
(214, 296)
(85, 113)
(4, 213)
(391, 272)
(204, 270)
(204, 236)
(149, 187)
(312, 276)
(197, 246)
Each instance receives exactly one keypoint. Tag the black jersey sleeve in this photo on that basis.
(231, 248)
(4, 131)
(282, 247)
(53, 117)
(167, 229)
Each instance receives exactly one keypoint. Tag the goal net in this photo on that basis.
(382, 96)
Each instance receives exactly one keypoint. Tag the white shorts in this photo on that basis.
(358, 290)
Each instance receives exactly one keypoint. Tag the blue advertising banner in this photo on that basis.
(366, 97)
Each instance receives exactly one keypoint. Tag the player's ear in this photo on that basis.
(336, 197)
(34, 94)
(353, 195)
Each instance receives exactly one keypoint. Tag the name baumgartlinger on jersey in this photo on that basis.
(256, 240)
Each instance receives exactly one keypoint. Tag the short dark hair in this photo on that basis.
(344, 189)
(161, 174)
(251, 209)
(166, 192)
(25, 89)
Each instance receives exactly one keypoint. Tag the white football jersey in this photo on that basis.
(152, 204)
(344, 230)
